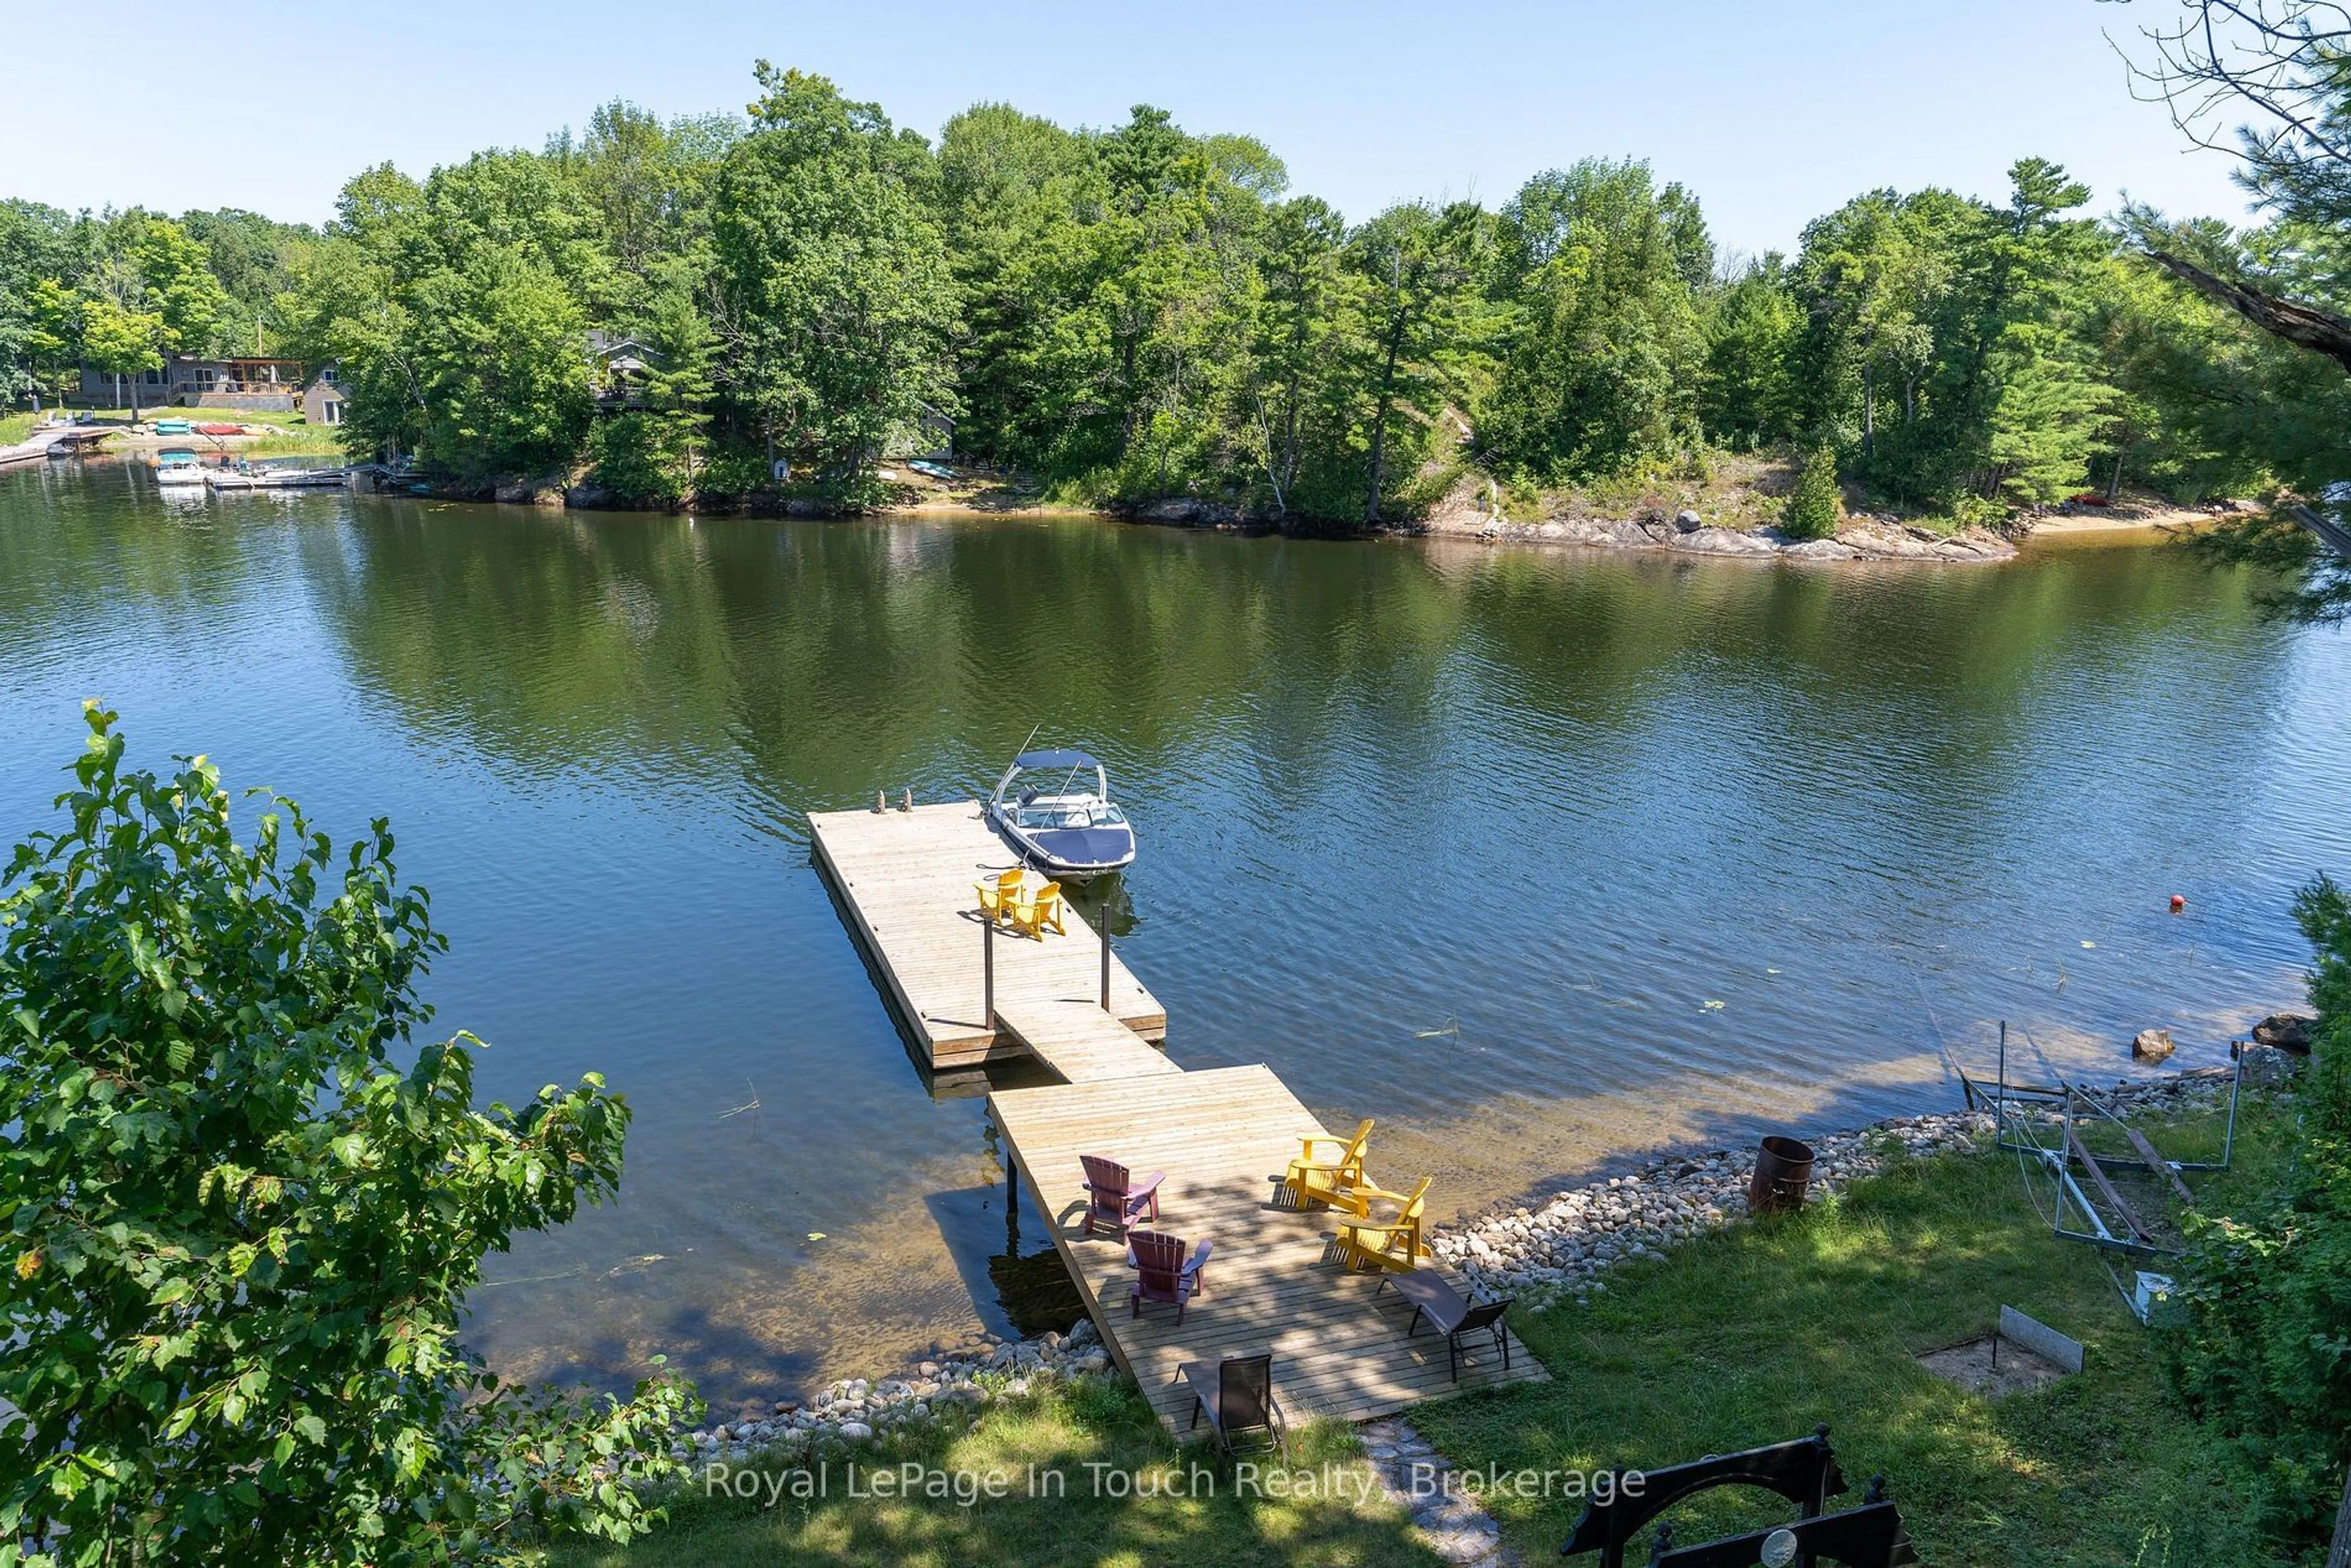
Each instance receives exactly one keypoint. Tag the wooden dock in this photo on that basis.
(1077, 1040)
(74, 438)
(906, 884)
(1223, 1137)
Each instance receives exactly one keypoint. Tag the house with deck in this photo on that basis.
(619, 369)
(258, 385)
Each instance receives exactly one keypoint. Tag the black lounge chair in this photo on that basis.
(1451, 1315)
(1237, 1396)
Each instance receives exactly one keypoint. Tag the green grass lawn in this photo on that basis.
(297, 440)
(1748, 1336)
(288, 435)
(1061, 1429)
(1755, 1333)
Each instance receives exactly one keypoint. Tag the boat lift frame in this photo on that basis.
(2073, 1107)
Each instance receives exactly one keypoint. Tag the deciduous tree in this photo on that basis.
(243, 1206)
(836, 300)
(1602, 370)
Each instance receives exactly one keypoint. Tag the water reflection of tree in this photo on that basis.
(825, 660)
(106, 542)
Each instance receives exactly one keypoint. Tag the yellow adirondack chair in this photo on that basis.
(996, 898)
(1387, 1243)
(1330, 1175)
(1037, 910)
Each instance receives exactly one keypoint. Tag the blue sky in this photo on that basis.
(1773, 111)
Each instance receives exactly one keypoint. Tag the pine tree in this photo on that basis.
(1816, 506)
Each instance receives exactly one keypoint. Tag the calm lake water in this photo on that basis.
(1545, 860)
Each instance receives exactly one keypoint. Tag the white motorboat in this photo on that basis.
(265, 475)
(1055, 808)
(178, 466)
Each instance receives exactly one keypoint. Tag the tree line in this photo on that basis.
(1139, 313)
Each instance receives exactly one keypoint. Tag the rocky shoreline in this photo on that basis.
(1862, 539)
(1540, 1257)
(1556, 1252)
(1863, 536)
(860, 1410)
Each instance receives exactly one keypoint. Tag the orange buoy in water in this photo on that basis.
(2178, 903)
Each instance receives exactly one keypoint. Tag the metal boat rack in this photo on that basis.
(2042, 1124)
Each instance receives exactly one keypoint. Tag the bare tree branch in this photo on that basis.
(2322, 331)
(2278, 59)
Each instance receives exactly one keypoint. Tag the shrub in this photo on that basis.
(243, 1210)
(1814, 506)
(735, 471)
(1973, 511)
(2265, 1355)
(641, 459)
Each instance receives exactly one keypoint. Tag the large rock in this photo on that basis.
(2152, 1044)
(1727, 541)
(2284, 1031)
(1187, 509)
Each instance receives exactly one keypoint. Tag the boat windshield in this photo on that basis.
(1066, 814)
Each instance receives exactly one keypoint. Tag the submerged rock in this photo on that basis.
(2152, 1044)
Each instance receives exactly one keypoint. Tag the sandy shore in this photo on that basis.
(2140, 515)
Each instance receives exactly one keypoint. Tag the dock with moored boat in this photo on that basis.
(57, 441)
(906, 881)
(257, 477)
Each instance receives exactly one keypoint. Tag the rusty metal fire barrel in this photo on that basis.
(1784, 1171)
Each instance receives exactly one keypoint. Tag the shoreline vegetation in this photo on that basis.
(1665, 518)
(778, 311)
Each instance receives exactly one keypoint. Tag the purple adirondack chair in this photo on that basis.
(1161, 1271)
(1115, 1198)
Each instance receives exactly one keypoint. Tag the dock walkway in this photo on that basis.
(905, 880)
(1076, 1038)
(1223, 1136)
(38, 445)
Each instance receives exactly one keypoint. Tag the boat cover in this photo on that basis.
(1084, 846)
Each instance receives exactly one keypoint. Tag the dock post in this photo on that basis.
(988, 967)
(1105, 962)
(1011, 1205)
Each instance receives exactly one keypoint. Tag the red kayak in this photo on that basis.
(218, 429)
